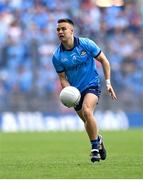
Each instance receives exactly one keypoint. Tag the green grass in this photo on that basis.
(65, 155)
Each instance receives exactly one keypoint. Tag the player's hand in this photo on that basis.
(111, 91)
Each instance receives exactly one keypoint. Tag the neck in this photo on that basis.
(69, 44)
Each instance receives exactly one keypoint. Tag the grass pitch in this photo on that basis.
(65, 155)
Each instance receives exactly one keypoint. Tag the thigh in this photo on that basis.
(90, 101)
(95, 92)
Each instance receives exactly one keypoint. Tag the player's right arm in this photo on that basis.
(63, 80)
(60, 70)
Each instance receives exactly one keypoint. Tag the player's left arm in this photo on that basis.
(107, 73)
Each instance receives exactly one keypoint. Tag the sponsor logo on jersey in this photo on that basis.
(64, 60)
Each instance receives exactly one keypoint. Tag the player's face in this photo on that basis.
(64, 31)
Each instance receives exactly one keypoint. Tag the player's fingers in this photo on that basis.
(112, 94)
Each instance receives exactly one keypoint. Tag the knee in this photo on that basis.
(87, 113)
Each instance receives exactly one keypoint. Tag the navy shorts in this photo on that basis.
(92, 89)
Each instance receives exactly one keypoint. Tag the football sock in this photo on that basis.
(94, 143)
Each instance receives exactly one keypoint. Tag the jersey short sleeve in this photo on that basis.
(92, 47)
(57, 64)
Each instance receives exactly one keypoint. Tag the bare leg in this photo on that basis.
(86, 114)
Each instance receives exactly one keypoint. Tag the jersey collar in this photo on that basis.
(76, 43)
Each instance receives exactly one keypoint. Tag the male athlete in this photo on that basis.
(74, 61)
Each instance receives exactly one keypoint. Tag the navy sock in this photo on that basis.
(94, 143)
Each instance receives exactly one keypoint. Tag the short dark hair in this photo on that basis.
(66, 20)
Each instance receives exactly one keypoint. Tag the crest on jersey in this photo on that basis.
(83, 53)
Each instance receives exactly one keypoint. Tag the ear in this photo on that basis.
(72, 30)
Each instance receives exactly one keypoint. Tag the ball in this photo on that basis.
(70, 96)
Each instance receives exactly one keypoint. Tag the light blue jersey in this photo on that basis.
(78, 63)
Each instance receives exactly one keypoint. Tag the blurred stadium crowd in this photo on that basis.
(28, 38)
